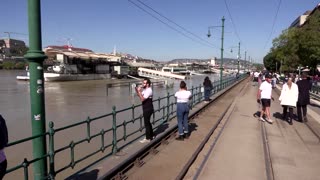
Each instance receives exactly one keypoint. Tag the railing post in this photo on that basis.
(192, 92)
(168, 104)
(88, 129)
(114, 128)
(52, 172)
(129, 88)
(35, 57)
(200, 95)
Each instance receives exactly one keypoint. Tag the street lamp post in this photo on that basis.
(35, 57)
(239, 58)
(245, 59)
(238, 55)
(222, 37)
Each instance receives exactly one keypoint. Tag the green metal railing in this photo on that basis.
(315, 92)
(315, 89)
(112, 139)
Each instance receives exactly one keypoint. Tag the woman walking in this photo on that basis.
(183, 96)
(289, 98)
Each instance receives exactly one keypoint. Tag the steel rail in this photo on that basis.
(185, 170)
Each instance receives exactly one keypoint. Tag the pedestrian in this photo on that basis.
(3, 144)
(289, 98)
(260, 78)
(265, 95)
(183, 96)
(303, 98)
(207, 85)
(274, 81)
(145, 94)
(315, 80)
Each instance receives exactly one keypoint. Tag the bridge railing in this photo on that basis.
(107, 140)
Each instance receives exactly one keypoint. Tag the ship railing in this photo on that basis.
(105, 141)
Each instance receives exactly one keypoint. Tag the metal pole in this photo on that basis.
(36, 56)
(221, 63)
(245, 59)
(239, 58)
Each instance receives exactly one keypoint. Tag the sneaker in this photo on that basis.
(145, 140)
(261, 119)
(180, 138)
(186, 135)
(269, 121)
(206, 101)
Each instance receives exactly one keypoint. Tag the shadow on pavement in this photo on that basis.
(161, 128)
(192, 127)
(92, 175)
(278, 115)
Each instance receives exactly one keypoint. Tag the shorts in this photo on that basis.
(255, 79)
(266, 102)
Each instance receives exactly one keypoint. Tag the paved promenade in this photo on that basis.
(293, 151)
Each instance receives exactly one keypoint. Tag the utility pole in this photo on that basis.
(222, 39)
(245, 59)
(35, 57)
(221, 64)
(239, 58)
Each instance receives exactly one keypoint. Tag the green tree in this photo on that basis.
(309, 49)
(296, 46)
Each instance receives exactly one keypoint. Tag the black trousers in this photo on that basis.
(304, 111)
(3, 168)
(147, 124)
(285, 109)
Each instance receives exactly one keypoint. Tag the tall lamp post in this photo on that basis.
(35, 57)
(238, 55)
(245, 59)
(222, 37)
(239, 58)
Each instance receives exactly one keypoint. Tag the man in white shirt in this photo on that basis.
(145, 95)
(264, 96)
(255, 76)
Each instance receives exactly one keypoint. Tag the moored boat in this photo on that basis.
(74, 64)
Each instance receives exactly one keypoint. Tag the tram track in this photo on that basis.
(267, 154)
(138, 162)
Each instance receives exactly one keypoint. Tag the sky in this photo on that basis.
(159, 29)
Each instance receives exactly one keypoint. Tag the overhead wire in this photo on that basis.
(152, 9)
(233, 24)
(273, 24)
(168, 25)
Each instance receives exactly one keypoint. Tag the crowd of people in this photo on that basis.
(295, 93)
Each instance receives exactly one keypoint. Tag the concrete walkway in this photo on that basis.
(239, 153)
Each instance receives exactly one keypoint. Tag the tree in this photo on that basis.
(296, 46)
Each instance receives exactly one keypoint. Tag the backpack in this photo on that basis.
(3, 133)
